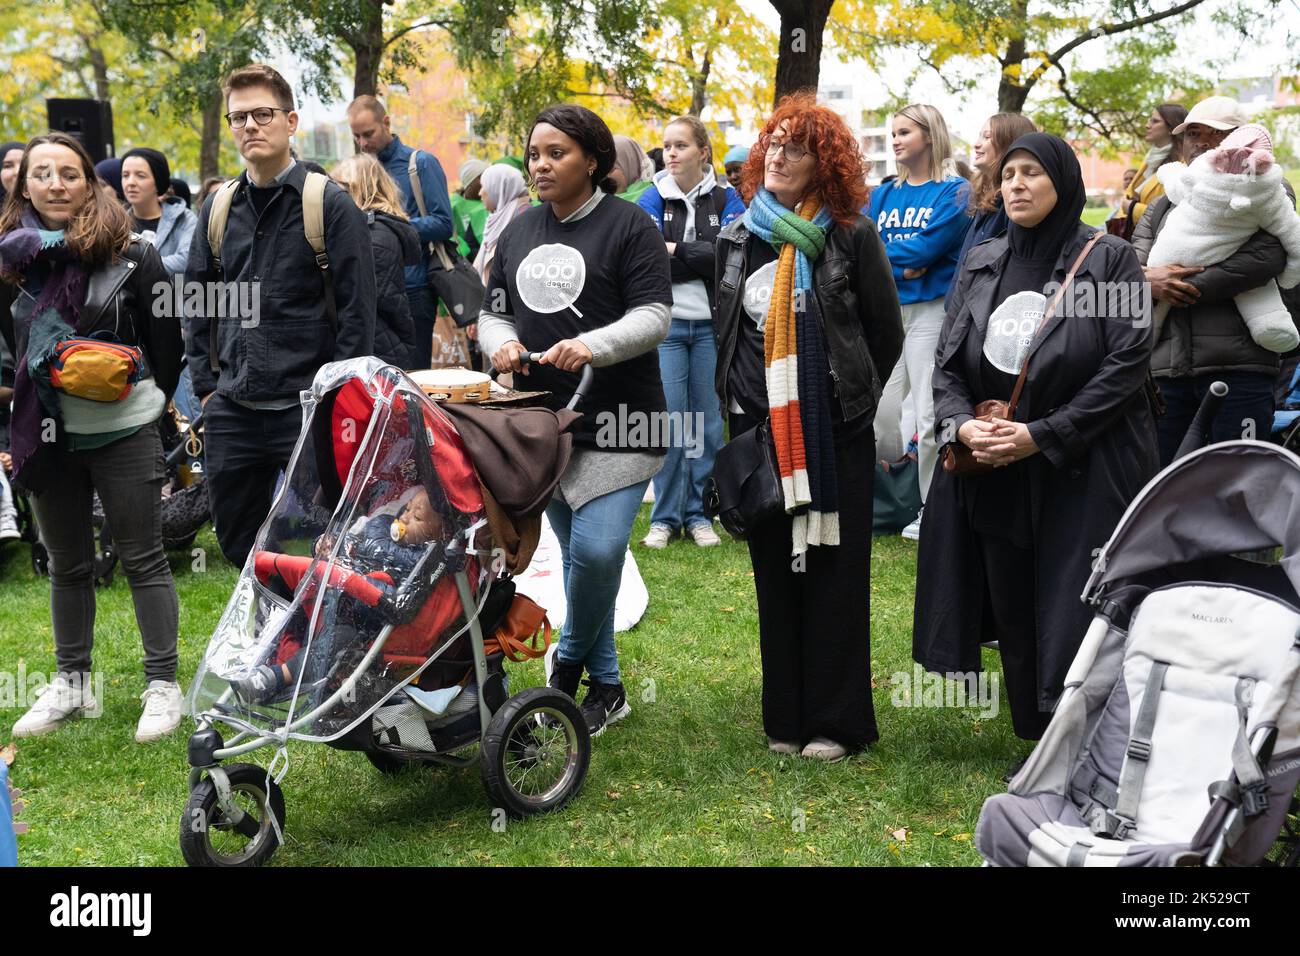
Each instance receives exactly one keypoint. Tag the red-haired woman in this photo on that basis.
(813, 364)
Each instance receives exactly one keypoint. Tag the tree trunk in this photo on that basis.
(1011, 90)
(798, 64)
(699, 85)
(210, 137)
(369, 49)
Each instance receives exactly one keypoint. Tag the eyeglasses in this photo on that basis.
(262, 115)
(792, 152)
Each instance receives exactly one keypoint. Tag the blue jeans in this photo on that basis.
(1250, 399)
(687, 359)
(593, 544)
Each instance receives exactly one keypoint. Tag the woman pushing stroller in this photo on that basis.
(587, 281)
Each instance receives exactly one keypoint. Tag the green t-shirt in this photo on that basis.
(633, 192)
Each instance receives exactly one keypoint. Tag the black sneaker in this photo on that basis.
(604, 704)
(258, 686)
(560, 675)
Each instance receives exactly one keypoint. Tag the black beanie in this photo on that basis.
(162, 174)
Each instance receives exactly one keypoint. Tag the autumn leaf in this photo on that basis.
(7, 753)
(613, 794)
(900, 834)
(961, 837)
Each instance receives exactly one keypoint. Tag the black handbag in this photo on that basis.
(745, 488)
(456, 282)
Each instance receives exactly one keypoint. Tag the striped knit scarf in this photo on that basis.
(795, 368)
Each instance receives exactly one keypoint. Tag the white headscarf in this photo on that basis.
(504, 186)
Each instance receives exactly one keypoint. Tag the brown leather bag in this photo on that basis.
(518, 635)
(955, 456)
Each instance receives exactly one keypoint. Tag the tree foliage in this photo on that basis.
(1033, 44)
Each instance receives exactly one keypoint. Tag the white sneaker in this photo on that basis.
(913, 531)
(704, 535)
(162, 711)
(56, 702)
(658, 537)
(8, 519)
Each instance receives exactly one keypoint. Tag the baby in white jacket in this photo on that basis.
(1222, 199)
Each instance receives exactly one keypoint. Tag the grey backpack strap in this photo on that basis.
(1117, 823)
(218, 214)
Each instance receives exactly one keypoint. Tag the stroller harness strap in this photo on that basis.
(1117, 823)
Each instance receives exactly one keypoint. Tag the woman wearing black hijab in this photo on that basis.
(1011, 549)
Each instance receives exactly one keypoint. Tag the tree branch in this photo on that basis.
(1101, 126)
(444, 24)
(1050, 60)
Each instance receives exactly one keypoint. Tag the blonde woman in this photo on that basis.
(396, 246)
(922, 217)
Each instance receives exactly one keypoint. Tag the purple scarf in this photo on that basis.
(62, 293)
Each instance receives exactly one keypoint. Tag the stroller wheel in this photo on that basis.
(533, 766)
(208, 838)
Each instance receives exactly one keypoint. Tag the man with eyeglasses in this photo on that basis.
(372, 131)
(249, 368)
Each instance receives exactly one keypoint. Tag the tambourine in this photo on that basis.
(455, 385)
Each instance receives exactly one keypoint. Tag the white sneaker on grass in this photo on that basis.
(162, 711)
(913, 531)
(704, 535)
(56, 703)
(658, 537)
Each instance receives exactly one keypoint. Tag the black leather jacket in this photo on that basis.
(120, 299)
(861, 319)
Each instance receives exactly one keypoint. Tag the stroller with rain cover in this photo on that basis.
(372, 601)
(1176, 740)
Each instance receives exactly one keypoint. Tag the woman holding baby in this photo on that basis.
(1009, 549)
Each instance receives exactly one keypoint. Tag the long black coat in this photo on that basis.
(1087, 408)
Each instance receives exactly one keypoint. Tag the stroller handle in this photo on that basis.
(584, 381)
(1199, 430)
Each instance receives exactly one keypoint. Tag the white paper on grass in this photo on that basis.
(544, 583)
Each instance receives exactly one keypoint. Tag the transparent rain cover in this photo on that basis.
(350, 589)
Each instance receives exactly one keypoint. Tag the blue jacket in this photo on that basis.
(716, 205)
(985, 225)
(923, 227)
(175, 231)
(437, 225)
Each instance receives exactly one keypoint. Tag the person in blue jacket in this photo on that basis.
(988, 218)
(372, 131)
(690, 207)
(922, 217)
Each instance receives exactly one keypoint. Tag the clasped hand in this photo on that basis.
(997, 442)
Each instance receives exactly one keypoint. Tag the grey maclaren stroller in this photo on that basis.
(365, 619)
(1177, 738)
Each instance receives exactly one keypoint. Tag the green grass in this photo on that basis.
(686, 779)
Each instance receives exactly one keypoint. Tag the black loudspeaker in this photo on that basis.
(90, 121)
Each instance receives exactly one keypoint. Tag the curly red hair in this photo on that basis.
(841, 175)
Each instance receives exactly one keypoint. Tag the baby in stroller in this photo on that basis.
(383, 547)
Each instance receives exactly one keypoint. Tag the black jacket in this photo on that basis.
(695, 259)
(121, 297)
(1211, 336)
(861, 319)
(396, 245)
(279, 354)
(1086, 405)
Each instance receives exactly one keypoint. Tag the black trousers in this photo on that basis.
(814, 619)
(1009, 581)
(244, 453)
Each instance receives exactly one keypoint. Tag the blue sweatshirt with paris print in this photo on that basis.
(923, 227)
